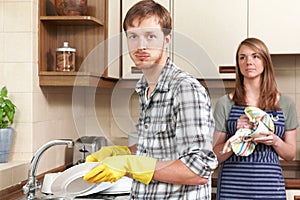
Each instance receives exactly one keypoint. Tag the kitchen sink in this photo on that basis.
(47, 198)
(89, 197)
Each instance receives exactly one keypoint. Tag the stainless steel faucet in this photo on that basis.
(32, 185)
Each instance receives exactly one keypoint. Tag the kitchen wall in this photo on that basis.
(47, 113)
(42, 114)
(18, 71)
(287, 71)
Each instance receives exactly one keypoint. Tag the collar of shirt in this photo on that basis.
(162, 82)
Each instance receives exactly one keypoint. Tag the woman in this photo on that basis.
(258, 175)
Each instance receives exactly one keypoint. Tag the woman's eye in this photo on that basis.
(242, 57)
(255, 56)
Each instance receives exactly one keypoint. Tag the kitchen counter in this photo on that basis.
(99, 196)
(291, 172)
(104, 197)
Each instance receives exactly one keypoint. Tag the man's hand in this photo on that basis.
(113, 168)
(107, 151)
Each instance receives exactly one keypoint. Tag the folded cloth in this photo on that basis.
(255, 115)
(241, 142)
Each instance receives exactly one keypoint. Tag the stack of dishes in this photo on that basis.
(122, 186)
(70, 183)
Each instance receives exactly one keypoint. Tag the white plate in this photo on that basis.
(71, 183)
(98, 188)
(121, 186)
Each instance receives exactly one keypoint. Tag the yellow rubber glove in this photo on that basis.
(113, 168)
(107, 151)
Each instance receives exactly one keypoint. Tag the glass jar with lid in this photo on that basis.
(65, 58)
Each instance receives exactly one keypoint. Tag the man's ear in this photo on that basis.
(168, 40)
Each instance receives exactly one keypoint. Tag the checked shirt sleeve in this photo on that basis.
(194, 129)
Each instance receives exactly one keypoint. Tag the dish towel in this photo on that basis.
(241, 142)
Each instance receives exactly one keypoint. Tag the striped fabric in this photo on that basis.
(257, 176)
(241, 143)
(238, 144)
(255, 114)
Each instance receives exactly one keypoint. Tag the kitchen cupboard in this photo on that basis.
(114, 40)
(277, 24)
(87, 34)
(206, 35)
(128, 68)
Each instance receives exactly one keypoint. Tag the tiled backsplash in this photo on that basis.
(287, 71)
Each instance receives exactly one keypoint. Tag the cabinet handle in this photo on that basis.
(226, 69)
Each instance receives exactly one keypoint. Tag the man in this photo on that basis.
(174, 158)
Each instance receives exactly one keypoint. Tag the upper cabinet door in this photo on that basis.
(113, 40)
(128, 67)
(276, 22)
(206, 35)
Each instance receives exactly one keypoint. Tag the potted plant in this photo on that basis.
(7, 114)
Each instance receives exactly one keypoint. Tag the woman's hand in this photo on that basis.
(268, 138)
(244, 122)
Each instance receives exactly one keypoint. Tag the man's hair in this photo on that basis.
(148, 8)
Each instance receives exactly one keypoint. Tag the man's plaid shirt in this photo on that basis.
(176, 123)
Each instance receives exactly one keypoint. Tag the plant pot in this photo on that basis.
(6, 136)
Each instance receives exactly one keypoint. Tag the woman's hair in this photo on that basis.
(148, 8)
(268, 90)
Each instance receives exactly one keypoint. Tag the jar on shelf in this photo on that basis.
(65, 58)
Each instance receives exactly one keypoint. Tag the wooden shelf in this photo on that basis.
(72, 20)
(84, 33)
(51, 78)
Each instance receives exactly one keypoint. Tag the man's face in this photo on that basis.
(147, 43)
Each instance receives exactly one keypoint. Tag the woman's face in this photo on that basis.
(250, 63)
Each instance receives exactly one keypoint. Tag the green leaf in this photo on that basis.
(9, 104)
(4, 124)
(1, 115)
(7, 109)
(10, 117)
(4, 92)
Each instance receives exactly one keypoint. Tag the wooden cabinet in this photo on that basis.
(87, 34)
(277, 24)
(206, 35)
